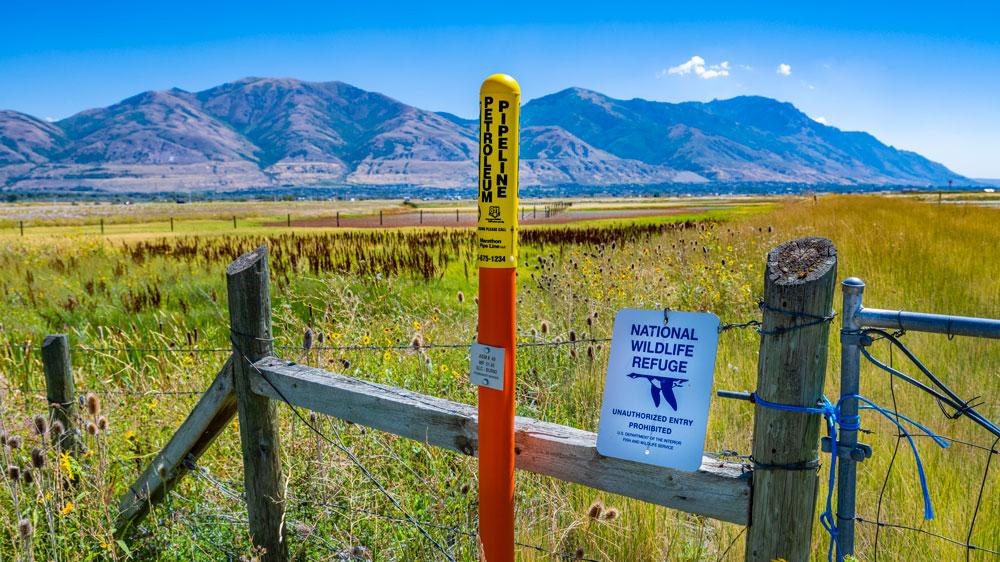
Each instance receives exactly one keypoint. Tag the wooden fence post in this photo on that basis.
(250, 324)
(799, 285)
(60, 390)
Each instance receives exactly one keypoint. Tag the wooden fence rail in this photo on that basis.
(720, 490)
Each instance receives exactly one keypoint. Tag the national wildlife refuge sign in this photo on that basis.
(658, 387)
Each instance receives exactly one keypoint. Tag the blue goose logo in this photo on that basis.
(661, 386)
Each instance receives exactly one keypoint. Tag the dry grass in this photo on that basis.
(913, 255)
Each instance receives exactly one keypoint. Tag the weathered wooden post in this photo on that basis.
(799, 285)
(380, 217)
(171, 224)
(60, 390)
(288, 220)
(250, 324)
(22, 228)
(234, 222)
(102, 226)
(338, 218)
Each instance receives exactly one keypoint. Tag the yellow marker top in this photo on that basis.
(500, 84)
(499, 116)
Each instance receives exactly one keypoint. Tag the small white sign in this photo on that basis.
(486, 366)
(658, 387)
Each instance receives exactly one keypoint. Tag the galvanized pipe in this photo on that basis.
(921, 322)
(850, 375)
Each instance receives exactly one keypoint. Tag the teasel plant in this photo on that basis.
(95, 475)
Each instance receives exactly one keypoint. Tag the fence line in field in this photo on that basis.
(446, 424)
(415, 217)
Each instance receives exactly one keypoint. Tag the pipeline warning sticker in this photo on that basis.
(486, 366)
(499, 113)
(658, 387)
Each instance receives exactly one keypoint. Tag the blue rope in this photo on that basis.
(834, 419)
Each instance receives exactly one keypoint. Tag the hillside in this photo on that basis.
(261, 132)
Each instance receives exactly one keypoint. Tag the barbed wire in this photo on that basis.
(949, 397)
(343, 448)
(122, 392)
(230, 490)
(358, 347)
(731, 543)
(942, 393)
(890, 525)
(203, 517)
(571, 340)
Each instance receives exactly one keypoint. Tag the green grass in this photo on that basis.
(107, 294)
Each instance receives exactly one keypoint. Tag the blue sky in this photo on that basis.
(923, 77)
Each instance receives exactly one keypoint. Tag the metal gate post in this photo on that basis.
(847, 450)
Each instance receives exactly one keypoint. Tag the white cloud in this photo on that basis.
(785, 69)
(697, 66)
(50, 119)
(822, 120)
(687, 67)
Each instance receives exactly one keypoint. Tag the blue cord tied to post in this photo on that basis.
(834, 419)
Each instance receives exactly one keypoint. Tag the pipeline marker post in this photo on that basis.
(496, 240)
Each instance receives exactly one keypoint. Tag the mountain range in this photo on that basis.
(262, 132)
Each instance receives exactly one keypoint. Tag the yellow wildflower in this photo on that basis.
(365, 340)
(67, 509)
(416, 325)
(66, 465)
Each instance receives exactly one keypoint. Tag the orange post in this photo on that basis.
(496, 231)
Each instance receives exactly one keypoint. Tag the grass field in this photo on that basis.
(138, 291)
